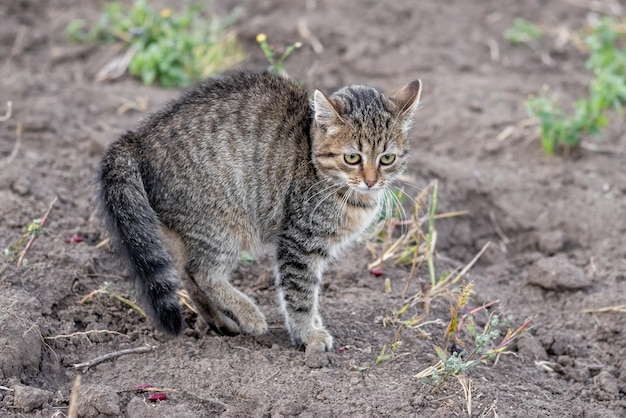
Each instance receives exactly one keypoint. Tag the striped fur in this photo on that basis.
(240, 160)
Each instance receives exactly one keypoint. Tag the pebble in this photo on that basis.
(98, 400)
(607, 383)
(529, 346)
(551, 242)
(315, 358)
(557, 273)
(138, 407)
(28, 398)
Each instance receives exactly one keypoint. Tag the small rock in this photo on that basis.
(97, 400)
(139, 407)
(28, 398)
(551, 242)
(607, 383)
(21, 186)
(315, 358)
(557, 273)
(622, 372)
(562, 344)
(529, 346)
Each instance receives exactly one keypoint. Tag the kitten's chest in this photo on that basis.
(357, 220)
(352, 228)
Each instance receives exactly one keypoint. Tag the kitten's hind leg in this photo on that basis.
(216, 320)
(210, 270)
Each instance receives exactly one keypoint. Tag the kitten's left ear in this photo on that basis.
(407, 100)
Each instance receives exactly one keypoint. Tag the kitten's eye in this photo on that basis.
(387, 159)
(352, 158)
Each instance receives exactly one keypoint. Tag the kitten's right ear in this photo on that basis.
(326, 112)
(407, 99)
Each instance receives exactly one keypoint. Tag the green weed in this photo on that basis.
(523, 32)
(277, 65)
(32, 231)
(606, 92)
(171, 48)
(484, 343)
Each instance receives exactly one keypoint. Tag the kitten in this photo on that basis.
(240, 160)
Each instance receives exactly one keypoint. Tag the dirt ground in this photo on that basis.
(556, 225)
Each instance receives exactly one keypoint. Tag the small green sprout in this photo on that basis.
(523, 32)
(276, 66)
(606, 92)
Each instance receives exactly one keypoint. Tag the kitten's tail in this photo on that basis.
(133, 229)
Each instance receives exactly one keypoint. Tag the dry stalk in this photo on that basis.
(8, 113)
(73, 409)
(616, 308)
(101, 359)
(85, 334)
(466, 384)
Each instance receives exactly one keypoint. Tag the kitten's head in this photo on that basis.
(360, 135)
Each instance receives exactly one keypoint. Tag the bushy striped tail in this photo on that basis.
(133, 229)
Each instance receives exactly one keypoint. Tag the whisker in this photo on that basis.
(405, 194)
(398, 204)
(326, 197)
(322, 191)
(404, 183)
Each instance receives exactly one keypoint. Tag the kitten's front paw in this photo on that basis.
(250, 319)
(321, 340)
(313, 339)
(318, 344)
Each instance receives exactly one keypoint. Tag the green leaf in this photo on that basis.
(441, 354)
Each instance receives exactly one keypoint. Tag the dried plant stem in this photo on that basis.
(115, 354)
(73, 409)
(431, 237)
(85, 334)
(8, 113)
(616, 308)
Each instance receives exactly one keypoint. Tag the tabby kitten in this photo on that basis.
(240, 160)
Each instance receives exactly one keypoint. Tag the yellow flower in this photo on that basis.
(261, 38)
(166, 12)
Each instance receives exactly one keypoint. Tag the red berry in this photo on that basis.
(158, 396)
(377, 272)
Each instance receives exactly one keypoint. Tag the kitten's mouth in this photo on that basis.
(369, 191)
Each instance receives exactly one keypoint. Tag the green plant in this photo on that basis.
(276, 66)
(607, 91)
(484, 343)
(523, 32)
(32, 231)
(172, 48)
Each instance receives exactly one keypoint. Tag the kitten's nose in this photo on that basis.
(370, 182)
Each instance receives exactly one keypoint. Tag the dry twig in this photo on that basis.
(85, 334)
(616, 308)
(73, 410)
(137, 350)
(8, 113)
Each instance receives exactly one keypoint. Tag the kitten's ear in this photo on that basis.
(326, 112)
(407, 100)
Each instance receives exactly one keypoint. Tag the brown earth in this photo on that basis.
(556, 225)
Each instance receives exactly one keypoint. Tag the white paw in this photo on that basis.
(250, 319)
